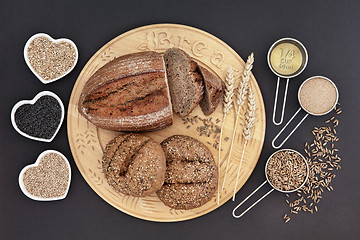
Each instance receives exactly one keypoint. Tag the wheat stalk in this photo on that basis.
(242, 89)
(229, 91)
(241, 94)
(247, 131)
(227, 105)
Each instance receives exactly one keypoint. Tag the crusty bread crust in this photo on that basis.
(147, 110)
(191, 174)
(134, 165)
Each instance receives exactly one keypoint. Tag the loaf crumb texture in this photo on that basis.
(185, 81)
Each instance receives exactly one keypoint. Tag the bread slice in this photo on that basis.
(213, 91)
(185, 82)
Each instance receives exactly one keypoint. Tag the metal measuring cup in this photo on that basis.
(306, 110)
(273, 187)
(284, 61)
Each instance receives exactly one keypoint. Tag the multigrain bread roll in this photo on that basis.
(130, 93)
(134, 165)
(213, 91)
(191, 173)
(185, 81)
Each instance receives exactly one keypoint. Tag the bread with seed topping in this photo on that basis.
(191, 174)
(134, 164)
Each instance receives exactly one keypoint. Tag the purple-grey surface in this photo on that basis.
(328, 29)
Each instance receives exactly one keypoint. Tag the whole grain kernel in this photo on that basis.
(50, 60)
(49, 179)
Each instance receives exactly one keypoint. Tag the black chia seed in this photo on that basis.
(40, 120)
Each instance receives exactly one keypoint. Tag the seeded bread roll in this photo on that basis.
(130, 93)
(191, 173)
(213, 91)
(134, 165)
(185, 82)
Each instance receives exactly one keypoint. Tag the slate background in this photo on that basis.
(328, 29)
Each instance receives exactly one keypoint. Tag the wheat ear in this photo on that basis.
(227, 105)
(247, 131)
(241, 94)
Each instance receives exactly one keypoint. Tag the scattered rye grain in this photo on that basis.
(323, 160)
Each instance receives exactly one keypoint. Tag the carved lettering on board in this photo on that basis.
(217, 59)
(182, 41)
(197, 48)
(162, 40)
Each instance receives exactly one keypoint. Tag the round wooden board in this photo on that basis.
(87, 141)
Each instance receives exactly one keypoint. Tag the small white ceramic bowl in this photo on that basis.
(54, 41)
(31, 102)
(21, 175)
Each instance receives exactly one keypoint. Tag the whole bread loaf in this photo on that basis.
(130, 93)
(191, 174)
(134, 165)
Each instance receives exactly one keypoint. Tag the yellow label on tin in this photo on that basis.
(286, 59)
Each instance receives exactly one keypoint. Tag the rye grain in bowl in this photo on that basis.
(286, 170)
(50, 59)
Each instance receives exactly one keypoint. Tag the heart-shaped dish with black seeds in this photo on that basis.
(40, 118)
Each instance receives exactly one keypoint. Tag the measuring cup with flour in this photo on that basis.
(317, 96)
(286, 171)
(287, 58)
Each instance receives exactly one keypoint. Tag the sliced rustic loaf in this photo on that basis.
(130, 93)
(213, 91)
(185, 82)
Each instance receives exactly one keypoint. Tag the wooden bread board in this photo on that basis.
(87, 141)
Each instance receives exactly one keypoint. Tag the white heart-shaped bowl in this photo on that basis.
(36, 164)
(54, 41)
(32, 102)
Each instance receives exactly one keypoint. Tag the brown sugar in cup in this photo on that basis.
(318, 95)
